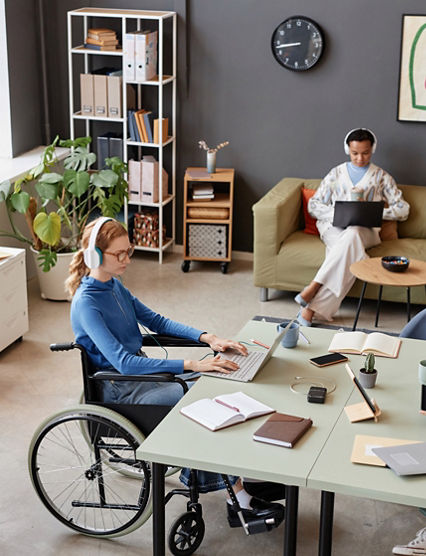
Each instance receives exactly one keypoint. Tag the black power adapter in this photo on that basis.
(317, 394)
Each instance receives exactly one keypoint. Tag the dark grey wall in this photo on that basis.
(23, 47)
(279, 123)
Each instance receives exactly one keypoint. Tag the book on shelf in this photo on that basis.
(148, 126)
(358, 342)
(99, 47)
(141, 125)
(100, 32)
(203, 197)
(282, 430)
(225, 410)
(202, 189)
(164, 128)
(131, 125)
(102, 42)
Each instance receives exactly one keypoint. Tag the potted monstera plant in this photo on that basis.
(54, 206)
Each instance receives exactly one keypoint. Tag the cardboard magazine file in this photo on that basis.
(150, 181)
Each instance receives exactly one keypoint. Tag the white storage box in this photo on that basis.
(207, 240)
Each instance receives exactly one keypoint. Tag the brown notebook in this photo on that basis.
(282, 430)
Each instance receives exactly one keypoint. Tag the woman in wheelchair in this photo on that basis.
(105, 318)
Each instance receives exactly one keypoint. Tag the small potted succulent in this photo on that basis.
(368, 374)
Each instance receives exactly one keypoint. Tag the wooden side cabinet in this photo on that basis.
(13, 296)
(207, 223)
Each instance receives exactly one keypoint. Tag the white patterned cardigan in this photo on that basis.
(375, 185)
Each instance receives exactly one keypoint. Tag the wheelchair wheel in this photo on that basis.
(186, 534)
(127, 471)
(73, 477)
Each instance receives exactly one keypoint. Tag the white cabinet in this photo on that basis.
(13, 296)
(157, 94)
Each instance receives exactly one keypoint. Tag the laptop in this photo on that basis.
(358, 213)
(251, 364)
(409, 459)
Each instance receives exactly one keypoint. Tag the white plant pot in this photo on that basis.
(52, 283)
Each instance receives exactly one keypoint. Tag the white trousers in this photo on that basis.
(343, 247)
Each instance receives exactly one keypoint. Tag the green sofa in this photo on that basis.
(286, 258)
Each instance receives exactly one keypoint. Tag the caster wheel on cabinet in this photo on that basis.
(185, 266)
(224, 268)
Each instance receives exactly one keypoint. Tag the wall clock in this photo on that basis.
(297, 43)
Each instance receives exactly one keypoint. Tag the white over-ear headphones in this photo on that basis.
(373, 146)
(93, 255)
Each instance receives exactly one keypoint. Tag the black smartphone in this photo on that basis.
(329, 359)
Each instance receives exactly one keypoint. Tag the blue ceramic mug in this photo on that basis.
(291, 335)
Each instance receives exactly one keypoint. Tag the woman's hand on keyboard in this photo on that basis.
(221, 344)
(217, 364)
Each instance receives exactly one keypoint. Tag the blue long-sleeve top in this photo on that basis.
(105, 317)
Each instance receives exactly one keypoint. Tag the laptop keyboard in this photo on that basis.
(248, 366)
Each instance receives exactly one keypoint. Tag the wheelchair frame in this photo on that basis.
(93, 490)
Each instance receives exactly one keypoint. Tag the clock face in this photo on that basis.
(297, 43)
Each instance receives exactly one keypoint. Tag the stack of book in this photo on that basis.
(139, 124)
(101, 39)
(202, 192)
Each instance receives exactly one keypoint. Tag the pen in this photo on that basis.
(304, 337)
(259, 343)
(228, 406)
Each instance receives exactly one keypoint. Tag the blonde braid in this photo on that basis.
(77, 269)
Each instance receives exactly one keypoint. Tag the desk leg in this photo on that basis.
(379, 300)
(158, 517)
(290, 530)
(408, 305)
(361, 297)
(326, 523)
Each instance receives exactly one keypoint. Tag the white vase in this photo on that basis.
(52, 283)
(211, 162)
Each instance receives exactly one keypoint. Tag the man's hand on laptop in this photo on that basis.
(221, 344)
(215, 364)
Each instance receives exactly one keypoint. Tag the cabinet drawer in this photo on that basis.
(12, 327)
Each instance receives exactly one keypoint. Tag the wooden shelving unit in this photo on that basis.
(223, 186)
(165, 22)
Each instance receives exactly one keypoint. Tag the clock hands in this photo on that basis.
(289, 44)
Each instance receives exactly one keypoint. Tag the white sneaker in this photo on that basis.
(415, 547)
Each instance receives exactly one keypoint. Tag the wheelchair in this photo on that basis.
(83, 465)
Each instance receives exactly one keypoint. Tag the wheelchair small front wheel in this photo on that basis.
(186, 534)
(73, 476)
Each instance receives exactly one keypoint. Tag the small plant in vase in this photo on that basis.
(211, 154)
(368, 374)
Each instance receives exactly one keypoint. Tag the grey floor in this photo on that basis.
(34, 383)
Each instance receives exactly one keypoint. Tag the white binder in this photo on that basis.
(145, 55)
(129, 57)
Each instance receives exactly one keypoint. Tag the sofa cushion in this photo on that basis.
(406, 247)
(310, 222)
(299, 258)
(415, 226)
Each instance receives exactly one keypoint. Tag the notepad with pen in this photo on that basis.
(282, 430)
(225, 410)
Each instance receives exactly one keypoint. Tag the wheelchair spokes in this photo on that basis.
(76, 479)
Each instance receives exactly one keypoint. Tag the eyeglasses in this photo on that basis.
(121, 255)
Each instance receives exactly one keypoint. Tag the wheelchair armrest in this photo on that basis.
(152, 340)
(160, 377)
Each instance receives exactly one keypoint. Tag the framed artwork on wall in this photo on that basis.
(412, 70)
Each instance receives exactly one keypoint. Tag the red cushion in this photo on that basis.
(310, 223)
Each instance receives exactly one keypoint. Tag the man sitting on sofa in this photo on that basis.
(358, 179)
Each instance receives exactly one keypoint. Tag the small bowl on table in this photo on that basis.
(395, 264)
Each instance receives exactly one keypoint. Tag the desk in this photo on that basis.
(321, 459)
(398, 395)
(179, 441)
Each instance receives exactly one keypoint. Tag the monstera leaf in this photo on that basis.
(48, 227)
(76, 183)
(20, 201)
(105, 178)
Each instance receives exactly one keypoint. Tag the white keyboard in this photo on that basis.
(248, 366)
